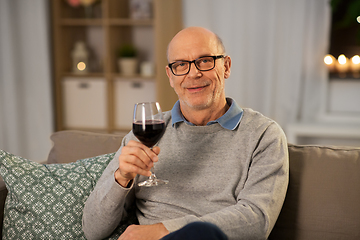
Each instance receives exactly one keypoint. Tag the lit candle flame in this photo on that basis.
(355, 59)
(328, 59)
(342, 59)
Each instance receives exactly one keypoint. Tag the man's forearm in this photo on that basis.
(236, 222)
(105, 206)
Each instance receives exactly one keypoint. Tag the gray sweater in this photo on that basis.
(235, 179)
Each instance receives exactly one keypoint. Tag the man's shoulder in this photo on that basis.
(252, 115)
(255, 120)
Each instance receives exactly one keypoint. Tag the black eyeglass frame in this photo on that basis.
(193, 61)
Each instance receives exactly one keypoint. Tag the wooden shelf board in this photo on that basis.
(137, 77)
(99, 22)
(131, 22)
(81, 22)
(84, 75)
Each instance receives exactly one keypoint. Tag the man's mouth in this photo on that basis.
(196, 89)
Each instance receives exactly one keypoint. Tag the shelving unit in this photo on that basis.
(100, 100)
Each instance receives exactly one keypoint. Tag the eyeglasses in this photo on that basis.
(205, 63)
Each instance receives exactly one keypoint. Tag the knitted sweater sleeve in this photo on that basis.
(260, 200)
(106, 203)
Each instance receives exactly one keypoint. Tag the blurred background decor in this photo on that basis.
(87, 5)
(128, 63)
(140, 9)
(278, 50)
(80, 58)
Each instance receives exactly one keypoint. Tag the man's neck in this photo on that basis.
(202, 117)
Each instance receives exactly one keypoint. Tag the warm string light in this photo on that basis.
(342, 65)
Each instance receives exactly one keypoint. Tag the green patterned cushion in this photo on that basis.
(46, 201)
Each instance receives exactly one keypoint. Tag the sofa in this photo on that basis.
(322, 202)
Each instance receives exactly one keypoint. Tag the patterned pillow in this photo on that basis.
(46, 201)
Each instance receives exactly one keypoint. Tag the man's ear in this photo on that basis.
(227, 65)
(169, 74)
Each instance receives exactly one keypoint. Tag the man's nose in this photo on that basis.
(193, 72)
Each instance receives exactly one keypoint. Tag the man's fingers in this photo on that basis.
(149, 152)
(138, 161)
(136, 158)
(135, 169)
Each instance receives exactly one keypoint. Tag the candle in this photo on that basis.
(342, 65)
(355, 66)
(329, 60)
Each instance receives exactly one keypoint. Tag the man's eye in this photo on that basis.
(204, 61)
(180, 64)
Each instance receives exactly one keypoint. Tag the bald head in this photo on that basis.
(189, 37)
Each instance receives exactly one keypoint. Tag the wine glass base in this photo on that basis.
(153, 182)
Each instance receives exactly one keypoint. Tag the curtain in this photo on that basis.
(26, 120)
(277, 49)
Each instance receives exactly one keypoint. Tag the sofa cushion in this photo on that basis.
(323, 197)
(71, 145)
(46, 201)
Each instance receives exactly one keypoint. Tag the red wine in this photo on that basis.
(149, 133)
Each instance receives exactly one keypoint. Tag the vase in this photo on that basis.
(128, 66)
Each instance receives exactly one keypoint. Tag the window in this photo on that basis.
(345, 39)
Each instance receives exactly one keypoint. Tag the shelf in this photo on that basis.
(99, 22)
(102, 99)
(115, 76)
(131, 22)
(138, 77)
(84, 75)
(80, 22)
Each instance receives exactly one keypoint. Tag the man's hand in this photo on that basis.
(135, 158)
(144, 232)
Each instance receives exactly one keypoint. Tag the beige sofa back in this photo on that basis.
(323, 198)
(72, 145)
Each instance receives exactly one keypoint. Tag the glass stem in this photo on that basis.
(152, 176)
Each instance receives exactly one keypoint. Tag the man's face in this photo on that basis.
(198, 90)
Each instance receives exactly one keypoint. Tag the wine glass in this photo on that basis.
(148, 127)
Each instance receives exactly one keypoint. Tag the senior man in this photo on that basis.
(226, 165)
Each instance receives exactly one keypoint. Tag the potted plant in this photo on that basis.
(127, 59)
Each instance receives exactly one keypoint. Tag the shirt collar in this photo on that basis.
(230, 120)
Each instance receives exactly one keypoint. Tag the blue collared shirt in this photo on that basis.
(230, 120)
